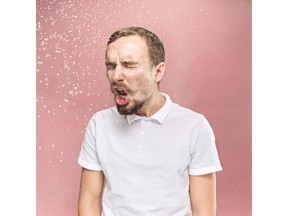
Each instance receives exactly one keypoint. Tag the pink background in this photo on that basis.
(208, 69)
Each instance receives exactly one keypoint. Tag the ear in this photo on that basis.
(159, 72)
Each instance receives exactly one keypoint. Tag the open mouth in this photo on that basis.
(121, 95)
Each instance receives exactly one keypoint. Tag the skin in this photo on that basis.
(91, 185)
(128, 65)
(203, 194)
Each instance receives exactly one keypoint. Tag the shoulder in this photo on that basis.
(187, 121)
(111, 111)
(107, 115)
(186, 114)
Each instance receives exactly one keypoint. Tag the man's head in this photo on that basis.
(155, 46)
(135, 66)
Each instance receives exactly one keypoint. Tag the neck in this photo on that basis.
(152, 105)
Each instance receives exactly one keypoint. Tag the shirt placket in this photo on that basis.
(140, 148)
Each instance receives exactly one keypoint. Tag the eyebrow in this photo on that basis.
(128, 62)
(124, 62)
(107, 62)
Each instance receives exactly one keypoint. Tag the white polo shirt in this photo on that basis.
(147, 161)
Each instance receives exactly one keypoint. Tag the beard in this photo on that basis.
(126, 110)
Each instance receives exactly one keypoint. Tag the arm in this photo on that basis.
(90, 192)
(203, 194)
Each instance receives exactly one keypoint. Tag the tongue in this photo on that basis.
(120, 100)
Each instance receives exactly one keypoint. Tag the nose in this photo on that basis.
(117, 74)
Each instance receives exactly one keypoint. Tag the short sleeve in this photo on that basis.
(88, 157)
(204, 155)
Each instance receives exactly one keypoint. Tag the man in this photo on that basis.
(148, 156)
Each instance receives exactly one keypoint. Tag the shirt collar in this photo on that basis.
(159, 116)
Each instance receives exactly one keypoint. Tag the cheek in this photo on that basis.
(108, 75)
(144, 85)
(140, 81)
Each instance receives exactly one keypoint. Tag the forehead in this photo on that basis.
(132, 46)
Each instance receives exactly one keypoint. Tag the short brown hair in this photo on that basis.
(155, 46)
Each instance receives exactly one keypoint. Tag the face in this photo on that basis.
(130, 74)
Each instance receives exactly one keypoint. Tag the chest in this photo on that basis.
(145, 146)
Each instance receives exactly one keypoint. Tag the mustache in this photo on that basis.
(115, 84)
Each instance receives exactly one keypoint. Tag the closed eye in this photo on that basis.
(129, 64)
(110, 66)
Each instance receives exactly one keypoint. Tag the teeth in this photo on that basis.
(123, 96)
(121, 92)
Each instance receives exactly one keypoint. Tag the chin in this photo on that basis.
(123, 110)
(130, 110)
